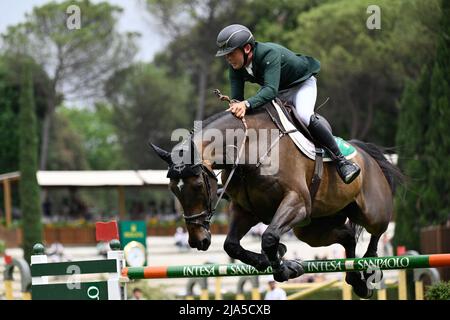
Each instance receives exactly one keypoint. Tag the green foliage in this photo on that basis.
(29, 189)
(9, 138)
(272, 20)
(438, 291)
(437, 192)
(363, 70)
(8, 124)
(97, 135)
(411, 145)
(2, 247)
(422, 136)
(77, 61)
(10, 87)
(148, 105)
(66, 151)
(83, 56)
(193, 26)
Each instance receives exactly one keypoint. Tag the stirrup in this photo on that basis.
(349, 178)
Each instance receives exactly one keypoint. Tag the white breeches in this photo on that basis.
(305, 99)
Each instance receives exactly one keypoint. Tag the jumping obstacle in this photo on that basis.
(114, 287)
(310, 266)
(11, 265)
(73, 287)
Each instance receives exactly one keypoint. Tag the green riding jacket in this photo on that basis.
(275, 68)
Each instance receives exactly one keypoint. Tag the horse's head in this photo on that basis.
(195, 186)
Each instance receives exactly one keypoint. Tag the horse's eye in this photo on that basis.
(176, 184)
(197, 184)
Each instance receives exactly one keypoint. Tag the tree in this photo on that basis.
(274, 20)
(148, 105)
(67, 151)
(362, 70)
(411, 150)
(78, 61)
(29, 189)
(98, 135)
(193, 27)
(424, 124)
(10, 89)
(437, 192)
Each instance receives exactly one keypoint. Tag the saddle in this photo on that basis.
(292, 115)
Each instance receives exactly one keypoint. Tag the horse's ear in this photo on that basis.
(163, 154)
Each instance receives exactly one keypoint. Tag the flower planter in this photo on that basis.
(70, 235)
(11, 236)
(161, 230)
(170, 230)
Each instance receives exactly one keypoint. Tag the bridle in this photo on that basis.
(210, 210)
(205, 172)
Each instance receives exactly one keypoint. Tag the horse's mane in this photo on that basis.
(221, 114)
(213, 118)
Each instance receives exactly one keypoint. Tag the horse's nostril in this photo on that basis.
(205, 243)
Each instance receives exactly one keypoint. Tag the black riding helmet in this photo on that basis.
(232, 37)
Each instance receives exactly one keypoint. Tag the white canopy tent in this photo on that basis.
(118, 179)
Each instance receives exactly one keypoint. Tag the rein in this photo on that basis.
(234, 165)
(209, 212)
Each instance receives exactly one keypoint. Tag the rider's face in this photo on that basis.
(235, 58)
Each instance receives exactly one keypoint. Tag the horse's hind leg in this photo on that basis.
(328, 230)
(374, 206)
(334, 229)
(374, 217)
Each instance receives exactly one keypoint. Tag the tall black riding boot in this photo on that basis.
(347, 170)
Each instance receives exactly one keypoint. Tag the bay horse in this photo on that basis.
(281, 200)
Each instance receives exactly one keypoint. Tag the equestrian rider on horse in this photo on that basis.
(280, 72)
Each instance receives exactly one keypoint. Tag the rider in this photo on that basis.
(277, 68)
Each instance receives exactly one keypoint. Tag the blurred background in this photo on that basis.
(84, 85)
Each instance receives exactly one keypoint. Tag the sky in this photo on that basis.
(134, 18)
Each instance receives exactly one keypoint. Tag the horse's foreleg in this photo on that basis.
(241, 223)
(291, 212)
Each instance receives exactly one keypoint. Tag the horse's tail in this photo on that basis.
(392, 173)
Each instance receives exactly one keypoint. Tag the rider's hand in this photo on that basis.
(238, 109)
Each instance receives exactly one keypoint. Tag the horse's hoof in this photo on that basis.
(362, 291)
(290, 269)
(359, 286)
(281, 274)
(295, 267)
(282, 249)
(262, 264)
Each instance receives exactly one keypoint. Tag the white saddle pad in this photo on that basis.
(305, 146)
